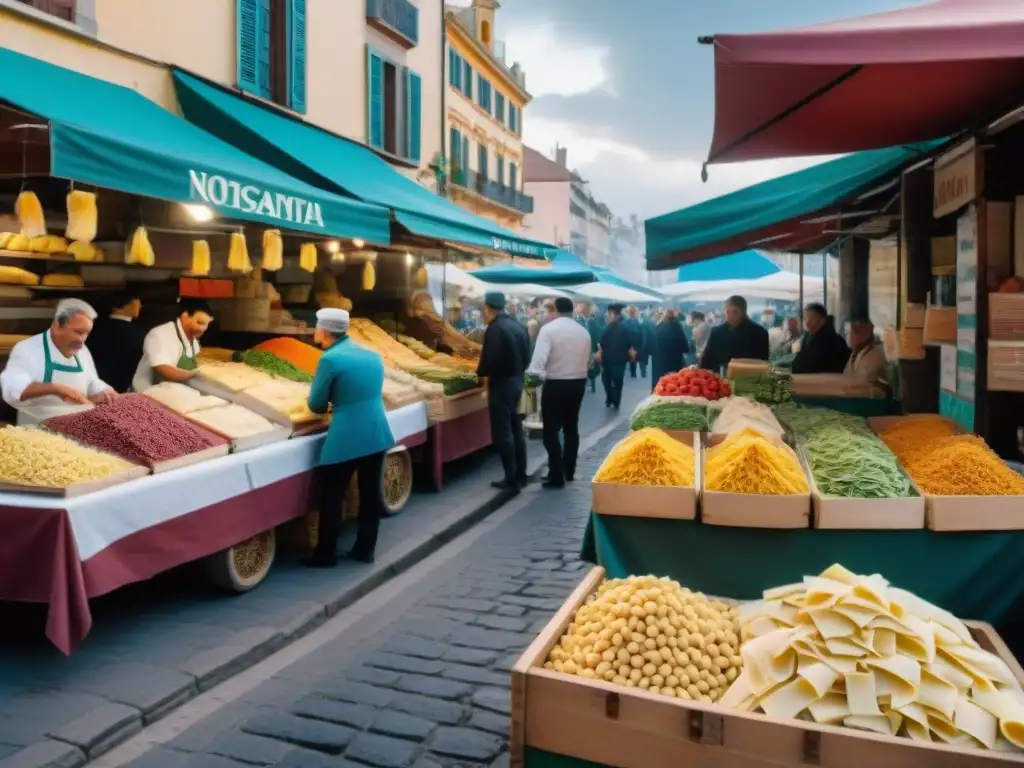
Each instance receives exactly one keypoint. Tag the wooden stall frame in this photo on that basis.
(625, 727)
(80, 489)
(446, 408)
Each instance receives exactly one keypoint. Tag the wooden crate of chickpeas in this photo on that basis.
(628, 674)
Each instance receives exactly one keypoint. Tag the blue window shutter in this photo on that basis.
(499, 107)
(499, 173)
(454, 149)
(413, 114)
(467, 79)
(513, 176)
(465, 153)
(482, 161)
(263, 82)
(248, 42)
(454, 68)
(297, 55)
(374, 99)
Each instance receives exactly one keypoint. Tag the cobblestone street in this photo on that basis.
(423, 680)
(430, 684)
(158, 645)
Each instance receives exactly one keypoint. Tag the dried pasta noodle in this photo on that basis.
(747, 462)
(944, 463)
(648, 457)
(841, 648)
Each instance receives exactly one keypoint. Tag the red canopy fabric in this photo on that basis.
(875, 81)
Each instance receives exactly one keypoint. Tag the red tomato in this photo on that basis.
(694, 391)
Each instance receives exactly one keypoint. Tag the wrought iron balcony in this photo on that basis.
(492, 190)
(399, 19)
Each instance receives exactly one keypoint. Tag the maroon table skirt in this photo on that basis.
(450, 440)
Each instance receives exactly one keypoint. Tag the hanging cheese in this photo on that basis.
(421, 276)
(308, 257)
(140, 251)
(5, 238)
(29, 211)
(48, 244)
(273, 250)
(83, 251)
(369, 276)
(83, 216)
(17, 276)
(238, 254)
(58, 280)
(200, 257)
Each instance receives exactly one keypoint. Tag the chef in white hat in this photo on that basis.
(350, 381)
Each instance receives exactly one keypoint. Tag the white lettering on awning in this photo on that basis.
(222, 192)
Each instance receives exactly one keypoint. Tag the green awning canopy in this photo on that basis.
(111, 136)
(335, 163)
(774, 213)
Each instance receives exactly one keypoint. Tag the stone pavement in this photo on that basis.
(156, 645)
(426, 681)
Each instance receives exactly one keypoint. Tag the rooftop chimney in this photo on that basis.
(561, 155)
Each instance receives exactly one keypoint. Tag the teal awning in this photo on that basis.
(111, 136)
(335, 163)
(561, 274)
(745, 265)
(774, 213)
(563, 259)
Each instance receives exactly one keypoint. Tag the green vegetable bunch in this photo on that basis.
(532, 382)
(854, 464)
(805, 421)
(272, 364)
(770, 388)
(680, 416)
(460, 384)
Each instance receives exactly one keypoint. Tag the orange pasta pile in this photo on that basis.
(303, 356)
(747, 462)
(944, 463)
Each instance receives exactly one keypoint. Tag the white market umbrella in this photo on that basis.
(526, 290)
(782, 286)
(612, 292)
(449, 274)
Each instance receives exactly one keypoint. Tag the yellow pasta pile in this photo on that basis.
(648, 457)
(944, 463)
(31, 456)
(846, 649)
(650, 633)
(747, 462)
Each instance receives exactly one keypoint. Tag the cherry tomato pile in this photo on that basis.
(693, 382)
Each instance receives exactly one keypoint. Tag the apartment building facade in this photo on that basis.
(565, 212)
(484, 105)
(368, 70)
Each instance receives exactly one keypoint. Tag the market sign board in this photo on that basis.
(959, 178)
(223, 193)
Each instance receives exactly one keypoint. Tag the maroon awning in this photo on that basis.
(875, 81)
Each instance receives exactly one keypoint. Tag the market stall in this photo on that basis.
(64, 551)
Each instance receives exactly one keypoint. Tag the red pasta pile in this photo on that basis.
(135, 428)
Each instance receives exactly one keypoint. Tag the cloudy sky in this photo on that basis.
(625, 86)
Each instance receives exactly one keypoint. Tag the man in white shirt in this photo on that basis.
(171, 351)
(55, 367)
(561, 358)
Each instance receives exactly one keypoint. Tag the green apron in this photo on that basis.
(187, 362)
(51, 367)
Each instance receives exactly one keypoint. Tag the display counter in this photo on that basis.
(64, 551)
(975, 574)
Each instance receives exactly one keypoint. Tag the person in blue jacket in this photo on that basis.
(349, 379)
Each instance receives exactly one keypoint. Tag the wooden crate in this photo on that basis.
(745, 510)
(673, 503)
(79, 489)
(611, 725)
(456, 406)
(1006, 316)
(940, 325)
(1006, 366)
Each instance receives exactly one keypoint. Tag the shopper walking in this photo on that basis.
(349, 379)
(503, 362)
(631, 323)
(670, 347)
(648, 332)
(614, 352)
(561, 358)
(595, 327)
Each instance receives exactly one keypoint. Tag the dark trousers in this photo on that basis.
(632, 369)
(643, 365)
(507, 428)
(560, 404)
(594, 374)
(332, 481)
(612, 376)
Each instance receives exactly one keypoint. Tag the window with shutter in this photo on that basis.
(513, 176)
(413, 114)
(499, 170)
(465, 153)
(482, 162)
(455, 153)
(467, 79)
(297, 56)
(248, 42)
(499, 107)
(374, 99)
(62, 9)
(454, 68)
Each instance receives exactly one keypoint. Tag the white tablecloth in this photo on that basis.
(102, 518)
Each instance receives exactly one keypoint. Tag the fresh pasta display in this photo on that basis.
(648, 457)
(747, 462)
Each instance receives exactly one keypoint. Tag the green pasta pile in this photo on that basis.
(854, 464)
(805, 421)
(272, 364)
(672, 416)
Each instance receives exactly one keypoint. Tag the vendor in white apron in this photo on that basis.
(171, 350)
(54, 368)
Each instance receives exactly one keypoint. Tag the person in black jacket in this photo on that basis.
(669, 347)
(631, 322)
(116, 341)
(822, 350)
(614, 352)
(648, 333)
(503, 361)
(737, 337)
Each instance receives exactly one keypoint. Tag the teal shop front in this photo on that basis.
(110, 136)
(341, 166)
